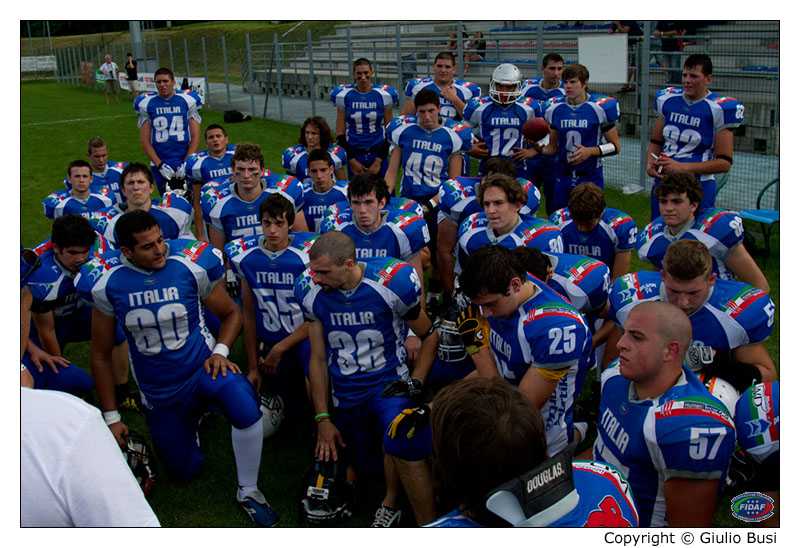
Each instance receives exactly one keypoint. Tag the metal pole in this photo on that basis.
(278, 66)
(350, 51)
(312, 88)
(137, 44)
(171, 56)
(399, 56)
(225, 70)
(249, 75)
(205, 69)
(644, 90)
(186, 56)
(460, 49)
(30, 36)
(49, 38)
(158, 58)
(539, 42)
(72, 63)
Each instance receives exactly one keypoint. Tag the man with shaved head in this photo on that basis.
(659, 425)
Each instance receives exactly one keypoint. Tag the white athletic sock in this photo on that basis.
(247, 444)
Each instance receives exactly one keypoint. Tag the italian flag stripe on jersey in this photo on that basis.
(742, 300)
(549, 311)
(773, 428)
(709, 221)
(695, 408)
(582, 269)
(388, 270)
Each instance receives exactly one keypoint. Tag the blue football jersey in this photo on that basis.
(758, 420)
(690, 126)
(580, 125)
(230, 214)
(458, 198)
(110, 178)
(735, 313)
(363, 112)
(52, 286)
(169, 122)
(719, 230)
(62, 203)
(401, 235)
(426, 154)
(500, 126)
(684, 433)
(532, 87)
(582, 280)
(203, 167)
(545, 332)
(616, 232)
(271, 277)
(464, 90)
(160, 312)
(475, 232)
(172, 212)
(295, 160)
(316, 204)
(364, 333)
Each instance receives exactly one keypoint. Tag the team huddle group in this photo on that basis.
(444, 326)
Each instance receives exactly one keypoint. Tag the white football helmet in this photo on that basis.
(506, 74)
(723, 391)
(272, 410)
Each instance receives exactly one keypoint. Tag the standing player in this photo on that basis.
(659, 425)
(169, 128)
(550, 84)
(582, 131)
(453, 94)
(360, 313)
(211, 164)
(490, 459)
(105, 172)
(721, 231)
(425, 150)
(730, 319)
(321, 190)
(172, 212)
(362, 111)
(501, 224)
(538, 342)
(499, 118)
(693, 132)
(80, 199)
(157, 291)
(268, 265)
(315, 134)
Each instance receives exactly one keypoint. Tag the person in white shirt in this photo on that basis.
(110, 70)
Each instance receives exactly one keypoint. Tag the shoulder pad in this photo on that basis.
(92, 271)
(235, 248)
(561, 216)
(196, 251)
(751, 307)
(724, 225)
(631, 289)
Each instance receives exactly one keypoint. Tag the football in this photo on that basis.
(535, 129)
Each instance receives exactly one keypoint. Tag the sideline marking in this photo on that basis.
(76, 120)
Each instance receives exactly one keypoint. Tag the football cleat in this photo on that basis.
(387, 517)
(258, 509)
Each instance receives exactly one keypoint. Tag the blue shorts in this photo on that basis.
(70, 379)
(173, 425)
(366, 159)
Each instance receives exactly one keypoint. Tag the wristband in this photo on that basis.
(319, 417)
(221, 349)
(112, 417)
(607, 149)
(725, 157)
(657, 142)
(159, 165)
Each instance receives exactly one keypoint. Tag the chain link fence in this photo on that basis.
(267, 76)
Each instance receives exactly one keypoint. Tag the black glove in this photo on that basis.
(473, 328)
(411, 388)
(411, 420)
(232, 284)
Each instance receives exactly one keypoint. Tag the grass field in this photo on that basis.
(57, 121)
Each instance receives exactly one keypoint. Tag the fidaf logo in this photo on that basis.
(752, 507)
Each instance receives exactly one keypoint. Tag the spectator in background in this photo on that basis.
(110, 70)
(133, 75)
(671, 44)
(475, 50)
(631, 28)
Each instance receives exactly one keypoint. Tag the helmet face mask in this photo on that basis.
(137, 454)
(506, 75)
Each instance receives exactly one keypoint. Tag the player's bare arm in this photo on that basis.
(655, 147)
(741, 263)
(194, 137)
(249, 333)
(723, 149)
(391, 170)
(271, 361)
(538, 385)
(45, 323)
(756, 355)
(147, 146)
(328, 436)
(100, 362)
(690, 502)
(454, 166)
(222, 306)
(552, 144)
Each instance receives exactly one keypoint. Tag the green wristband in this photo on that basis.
(319, 417)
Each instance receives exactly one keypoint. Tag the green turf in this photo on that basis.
(209, 500)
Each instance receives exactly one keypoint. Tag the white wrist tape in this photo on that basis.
(221, 349)
(112, 417)
(607, 149)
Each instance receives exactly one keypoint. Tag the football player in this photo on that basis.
(211, 164)
(490, 461)
(693, 131)
(105, 172)
(362, 111)
(81, 199)
(268, 264)
(500, 223)
(315, 134)
(173, 212)
(659, 425)
(528, 334)
(321, 190)
(721, 231)
(169, 128)
(582, 132)
(157, 290)
(453, 94)
(730, 320)
(360, 312)
(498, 119)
